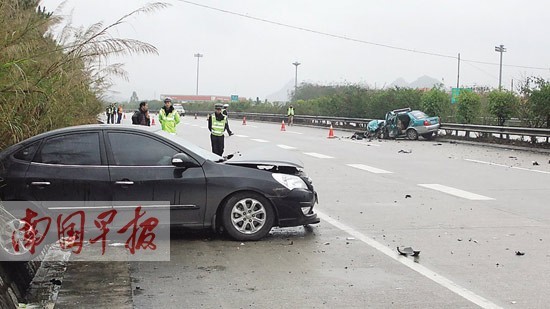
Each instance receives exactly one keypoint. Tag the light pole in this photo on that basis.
(501, 50)
(198, 59)
(296, 64)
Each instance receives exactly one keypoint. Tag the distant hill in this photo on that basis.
(283, 95)
(422, 82)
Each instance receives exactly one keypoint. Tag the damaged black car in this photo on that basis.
(244, 194)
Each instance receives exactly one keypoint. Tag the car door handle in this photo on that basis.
(124, 183)
(40, 183)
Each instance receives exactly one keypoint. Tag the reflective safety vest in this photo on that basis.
(169, 122)
(218, 126)
(290, 111)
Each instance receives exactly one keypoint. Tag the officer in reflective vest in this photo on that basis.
(168, 118)
(290, 114)
(217, 124)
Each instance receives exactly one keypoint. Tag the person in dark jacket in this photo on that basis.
(141, 116)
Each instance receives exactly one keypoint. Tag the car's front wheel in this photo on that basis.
(247, 216)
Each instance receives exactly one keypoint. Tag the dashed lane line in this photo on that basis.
(260, 140)
(457, 192)
(422, 270)
(318, 155)
(285, 147)
(512, 167)
(369, 168)
(240, 135)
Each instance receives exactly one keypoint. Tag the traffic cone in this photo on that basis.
(244, 121)
(283, 127)
(153, 121)
(331, 132)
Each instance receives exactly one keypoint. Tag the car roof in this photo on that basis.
(93, 127)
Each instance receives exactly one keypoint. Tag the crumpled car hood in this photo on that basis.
(262, 156)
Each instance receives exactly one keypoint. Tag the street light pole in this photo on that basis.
(198, 58)
(501, 50)
(296, 77)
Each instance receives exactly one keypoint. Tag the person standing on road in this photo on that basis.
(168, 117)
(119, 114)
(290, 114)
(224, 111)
(217, 124)
(110, 112)
(141, 116)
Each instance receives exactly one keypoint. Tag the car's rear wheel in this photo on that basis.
(17, 237)
(247, 216)
(412, 134)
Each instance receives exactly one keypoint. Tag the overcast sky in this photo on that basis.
(252, 58)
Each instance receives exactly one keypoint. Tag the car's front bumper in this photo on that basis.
(296, 208)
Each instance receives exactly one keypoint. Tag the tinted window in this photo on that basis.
(27, 153)
(139, 150)
(74, 149)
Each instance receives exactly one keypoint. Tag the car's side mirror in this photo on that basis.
(183, 160)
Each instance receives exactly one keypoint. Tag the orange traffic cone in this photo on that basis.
(153, 121)
(283, 127)
(331, 132)
(244, 121)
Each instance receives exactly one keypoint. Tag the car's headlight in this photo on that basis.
(290, 181)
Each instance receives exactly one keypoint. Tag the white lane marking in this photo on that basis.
(369, 168)
(318, 155)
(502, 165)
(362, 143)
(456, 192)
(292, 132)
(239, 135)
(423, 270)
(250, 126)
(286, 147)
(260, 140)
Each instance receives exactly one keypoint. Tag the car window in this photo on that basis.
(139, 150)
(419, 115)
(27, 153)
(74, 149)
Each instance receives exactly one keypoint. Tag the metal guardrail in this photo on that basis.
(360, 124)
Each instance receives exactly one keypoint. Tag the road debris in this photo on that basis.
(326, 244)
(406, 251)
(405, 151)
(535, 163)
(438, 144)
(520, 253)
(408, 196)
(350, 238)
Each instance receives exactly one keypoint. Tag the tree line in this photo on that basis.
(530, 104)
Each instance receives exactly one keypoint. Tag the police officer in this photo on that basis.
(217, 124)
(290, 114)
(168, 117)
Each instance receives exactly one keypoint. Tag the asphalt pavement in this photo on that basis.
(467, 209)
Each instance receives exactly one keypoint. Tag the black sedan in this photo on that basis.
(244, 194)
